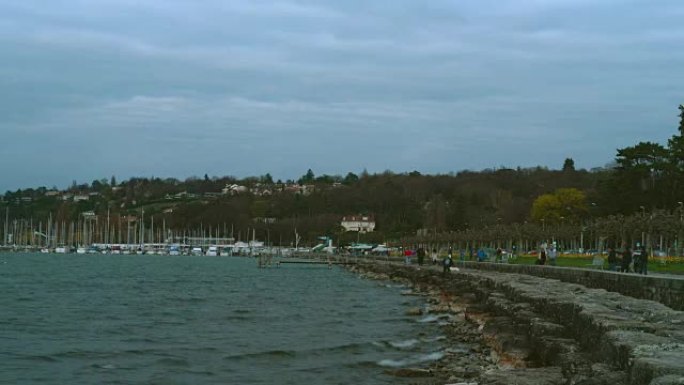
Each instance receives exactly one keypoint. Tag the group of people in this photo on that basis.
(420, 253)
(630, 261)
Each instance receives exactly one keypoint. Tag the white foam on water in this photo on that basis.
(435, 339)
(412, 360)
(404, 344)
(429, 319)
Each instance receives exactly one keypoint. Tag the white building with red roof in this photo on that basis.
(360, 223)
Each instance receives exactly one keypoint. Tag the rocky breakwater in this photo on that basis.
(530, 330)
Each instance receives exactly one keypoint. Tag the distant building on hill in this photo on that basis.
(234, 189)
(81, 198)
(360, 223)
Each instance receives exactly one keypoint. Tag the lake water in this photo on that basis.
(86, 319)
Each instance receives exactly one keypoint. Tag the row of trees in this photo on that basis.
(659, 230)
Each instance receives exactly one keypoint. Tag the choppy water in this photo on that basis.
(71, 319)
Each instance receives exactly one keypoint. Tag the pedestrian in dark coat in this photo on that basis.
(446, 264)
(643, 261)
(542, 257)
(612, 259)
(626, 260)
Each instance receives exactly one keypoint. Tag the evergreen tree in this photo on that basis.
(307, 178)
(569, 165)
(350, 178)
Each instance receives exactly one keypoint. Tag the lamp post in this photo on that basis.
(679, 233)
(561, 231)
(643, 216)
(593, 233)
(6, 238)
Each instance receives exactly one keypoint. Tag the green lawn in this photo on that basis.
(585, 262)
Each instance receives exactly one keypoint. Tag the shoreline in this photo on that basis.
(467, 354)
(527, 330)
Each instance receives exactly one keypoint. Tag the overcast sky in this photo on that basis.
(171, 88)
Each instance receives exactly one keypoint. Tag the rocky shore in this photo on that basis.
(514, 329)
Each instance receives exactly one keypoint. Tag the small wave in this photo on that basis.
(412, 360)
(189, 299)
(267, 354)
(173, 361)
(435, 339)
(404, 344)
(78, 354)
(105, 366)
(199, 349)
(352, 347)
(139, 352)
(430, 319)
(42, 358)
(391, 286)
(407, 344)
(144, 340)
(379, 344)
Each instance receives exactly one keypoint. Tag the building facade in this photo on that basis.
(360, 223)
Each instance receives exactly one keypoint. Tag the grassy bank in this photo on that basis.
(670, 267)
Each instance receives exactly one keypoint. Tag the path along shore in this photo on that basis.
(508, 328)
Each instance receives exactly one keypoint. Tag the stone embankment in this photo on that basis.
(668, 290)
(524, 329)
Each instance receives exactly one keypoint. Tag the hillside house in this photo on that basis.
(360, 223)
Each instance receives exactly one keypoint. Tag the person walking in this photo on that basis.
(434, 256)
(446, 265)
(481, 255)
(407, 256)
(542, 257)
(643, 260)
(553, 253)
(626, 259)
(636, 258)
(421, 255)
(612, 259)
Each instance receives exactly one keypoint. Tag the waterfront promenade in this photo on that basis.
(555, 325)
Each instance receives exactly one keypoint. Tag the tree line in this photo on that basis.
(646, 179)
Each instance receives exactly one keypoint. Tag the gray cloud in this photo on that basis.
(175, 88)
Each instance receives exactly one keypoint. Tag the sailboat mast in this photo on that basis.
(6, 225)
